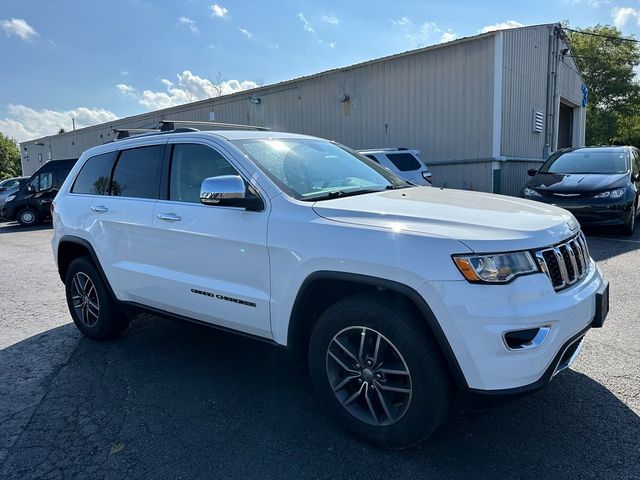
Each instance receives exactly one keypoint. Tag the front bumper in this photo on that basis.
(474, 319)
(593, 212)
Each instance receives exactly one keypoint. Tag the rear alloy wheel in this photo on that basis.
(376, 366)
(90, 303)
(27, 217)
(631, 224)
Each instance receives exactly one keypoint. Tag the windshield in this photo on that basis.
(598, 161)
(314, 169)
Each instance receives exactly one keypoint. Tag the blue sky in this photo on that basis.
(96, 60)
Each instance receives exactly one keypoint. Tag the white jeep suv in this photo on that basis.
(400, 296)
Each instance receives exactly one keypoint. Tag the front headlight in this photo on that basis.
(617, 193)
(495, 268)
(530, 192)
(9, 198)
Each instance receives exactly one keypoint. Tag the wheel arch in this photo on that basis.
(71, 247)
(321, 289)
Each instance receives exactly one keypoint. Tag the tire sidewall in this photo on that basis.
(110, 319)
(427, 405)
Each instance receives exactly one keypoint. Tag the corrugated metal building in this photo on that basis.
(482, 109)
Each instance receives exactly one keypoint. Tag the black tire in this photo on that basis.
(93, 310)
(629, 227)
(28, 217)
(416, 415)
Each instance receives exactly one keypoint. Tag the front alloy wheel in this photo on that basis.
(376, 366)
(369, 376)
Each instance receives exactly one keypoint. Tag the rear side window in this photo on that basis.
(93, 178)
(137, 173)
(190, 165)
(405, 162)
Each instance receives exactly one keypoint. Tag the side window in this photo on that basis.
(137, 173)
(372, 157)
(35, 183)
(41, 182)
(405, 162)
(94, 175)
(635, 162)
(46, 181)
(190, 165)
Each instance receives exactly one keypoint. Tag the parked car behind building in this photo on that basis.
(599, 185)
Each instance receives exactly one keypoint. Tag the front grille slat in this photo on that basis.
(566, 263)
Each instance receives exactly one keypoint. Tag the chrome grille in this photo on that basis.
(565, 263)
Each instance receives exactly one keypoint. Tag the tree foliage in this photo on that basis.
(608, 64)
(9, 158)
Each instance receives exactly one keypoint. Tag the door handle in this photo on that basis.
(99, 209)
(169, 217)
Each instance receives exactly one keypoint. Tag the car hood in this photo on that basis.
(483, 222)
(576, 182)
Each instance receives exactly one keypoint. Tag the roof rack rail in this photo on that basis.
(169, 125)
(127, 132)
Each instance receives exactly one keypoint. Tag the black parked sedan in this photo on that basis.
(599, 185)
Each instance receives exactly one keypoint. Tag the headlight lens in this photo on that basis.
(496, 268)
(617, 193)
(9, 198)
(530, 192)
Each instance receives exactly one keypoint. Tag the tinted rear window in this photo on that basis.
(93, 178)
(405, 162)
(137, 173)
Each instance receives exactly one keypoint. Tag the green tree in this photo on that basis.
(9, 158)
(607, 62)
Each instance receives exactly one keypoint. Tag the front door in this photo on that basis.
(212, 261)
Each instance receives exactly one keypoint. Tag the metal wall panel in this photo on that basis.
(525, 73)
(524, 83)
(514, 176)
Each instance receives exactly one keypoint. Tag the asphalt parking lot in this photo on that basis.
(172, 400)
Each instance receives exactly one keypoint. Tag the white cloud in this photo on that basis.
(218, 11)
(190, 23)
(330, 19)
(401, 22)
(25, 123)
(501, 26)
(246, 33)
(305, 23)
(20, 28)
(189, 88)
(309, 28)
(622, 15)
(448, 36)
(418, 36)
(125, 89)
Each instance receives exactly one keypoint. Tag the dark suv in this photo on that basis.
(32, 202)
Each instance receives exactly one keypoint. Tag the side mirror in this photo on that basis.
(228, 191)
(636, 177)
(31, 189)
(532, 171)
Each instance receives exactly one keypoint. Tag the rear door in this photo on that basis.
(114, 196)
(212, 261)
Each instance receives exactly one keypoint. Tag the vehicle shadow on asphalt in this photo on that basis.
(174, 400)
(15, 227)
